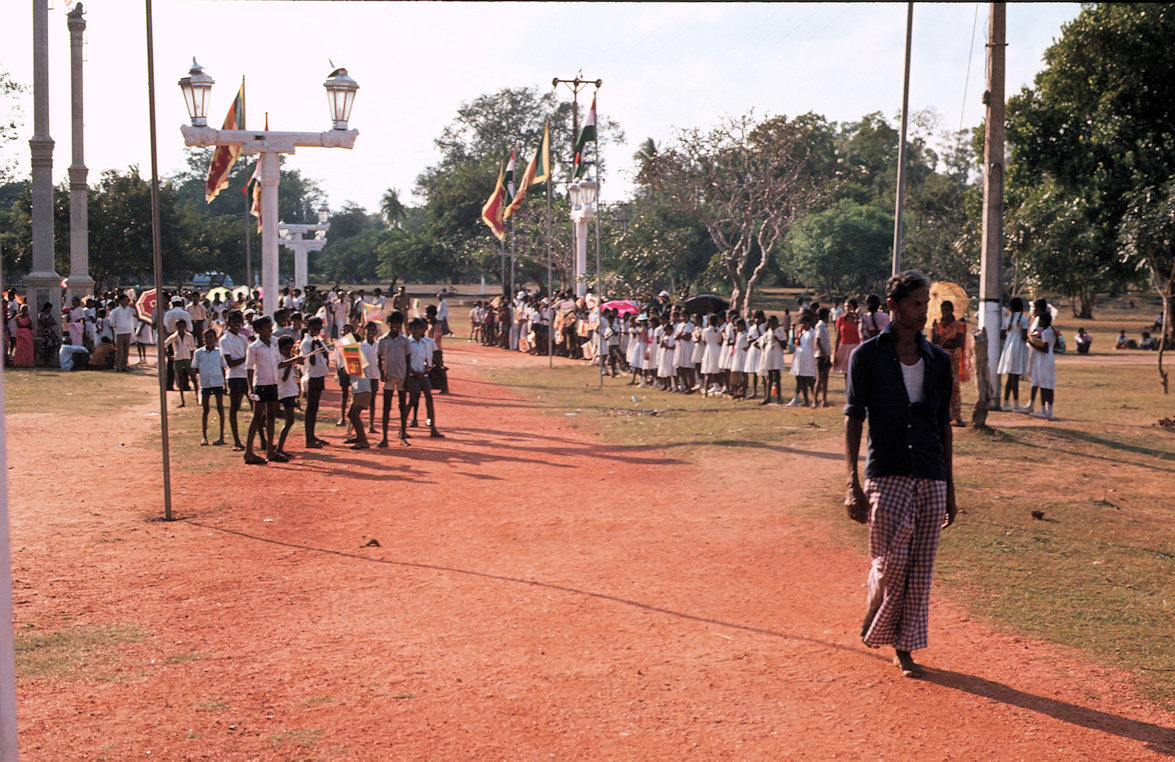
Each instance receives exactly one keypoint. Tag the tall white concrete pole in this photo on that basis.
(581, 231)
(270, 174)
(44, 284)
(80, 282)
(993, 196)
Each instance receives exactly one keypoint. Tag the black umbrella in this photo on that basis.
(704, 304)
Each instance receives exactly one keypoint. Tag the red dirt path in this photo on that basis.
(534, 595)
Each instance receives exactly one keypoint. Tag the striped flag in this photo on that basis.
(224, 157)
(537, 171)
(588, 133)
(492, 214)
(509, 179)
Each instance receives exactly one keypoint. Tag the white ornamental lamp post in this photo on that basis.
(268, 144)
(582, 195)
(294, 239)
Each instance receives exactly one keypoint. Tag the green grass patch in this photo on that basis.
(80, 393)
(86, 652)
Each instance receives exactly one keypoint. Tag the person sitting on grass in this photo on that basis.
(103, 357)
(209, 365)
(181, 345)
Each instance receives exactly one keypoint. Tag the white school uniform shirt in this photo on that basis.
(232, 347)
(263, 360)
(287, 386)
(319, 367)
(181, 346)
(420, 354)
(371, 354)
(210, 366)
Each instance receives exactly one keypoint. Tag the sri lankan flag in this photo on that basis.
(254, 184)
(537, 171)
(492, 214)
(509, 179)
(224, 157)
(586, 135)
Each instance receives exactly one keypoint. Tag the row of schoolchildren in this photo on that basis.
(724, 353)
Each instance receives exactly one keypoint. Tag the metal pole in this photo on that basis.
(512, 257)
(157, 253)
(900, 199)
(248, 244)
(990, 263)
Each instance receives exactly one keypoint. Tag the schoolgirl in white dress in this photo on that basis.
(1014, 356)
(772, 363)
(738, 359)
(666, 368)
(1043, 365)
(684, 357)
(711, 356)
(803, 363)
(751, 363)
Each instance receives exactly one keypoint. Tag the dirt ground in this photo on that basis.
(534, 594)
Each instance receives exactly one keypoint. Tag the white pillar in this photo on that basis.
(44, 284)
(270, 174)
(581, 227)
(80, 282)
(300, 264)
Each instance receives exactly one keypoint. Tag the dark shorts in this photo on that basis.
(316, 383)
(287, 402)
(344, 378)
(238, 385)
(823, 363)
(266, 392)
(211, 390)
(418, 384)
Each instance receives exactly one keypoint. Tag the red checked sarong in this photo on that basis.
(904, 525)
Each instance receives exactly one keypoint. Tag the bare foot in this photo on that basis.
(908, 666)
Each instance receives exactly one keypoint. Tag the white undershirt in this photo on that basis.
(912, 375)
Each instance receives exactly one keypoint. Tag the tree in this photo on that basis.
(392, 209)
(845, 249)
(747, 182)
(1147, 238)
(1095, 130)
(11, 122)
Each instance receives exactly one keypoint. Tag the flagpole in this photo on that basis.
(599, 273)
(157, 257)
(550, 292)
(511, 256)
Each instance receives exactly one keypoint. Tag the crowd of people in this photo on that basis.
(266, 365)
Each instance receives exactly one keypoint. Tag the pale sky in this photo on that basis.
(664, 66)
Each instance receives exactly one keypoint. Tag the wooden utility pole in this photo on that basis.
(900, 196)
(990, 290)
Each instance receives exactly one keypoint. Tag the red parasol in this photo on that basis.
(145, 304)
(622, 307)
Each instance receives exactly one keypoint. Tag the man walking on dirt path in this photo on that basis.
(901, 383)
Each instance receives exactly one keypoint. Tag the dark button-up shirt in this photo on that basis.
(904, 437)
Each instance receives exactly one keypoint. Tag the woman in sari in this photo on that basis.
(951, 334)
(24, 356)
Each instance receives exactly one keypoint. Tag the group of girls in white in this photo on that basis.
(725, 353)
(1029, 349)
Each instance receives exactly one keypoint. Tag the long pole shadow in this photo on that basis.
(1156, 737)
